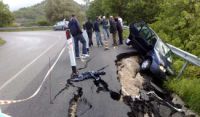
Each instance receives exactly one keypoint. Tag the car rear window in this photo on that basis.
(146, 33)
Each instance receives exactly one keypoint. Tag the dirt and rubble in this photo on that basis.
(137, 94)
(145, 98)
(129, 76)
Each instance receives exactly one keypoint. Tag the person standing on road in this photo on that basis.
(119, 30)
(121, 21)
(105, 25)
(113, 30)
(76, 32)
(89, 29)
(97, 32)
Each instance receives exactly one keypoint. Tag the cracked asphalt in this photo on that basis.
(84, 99)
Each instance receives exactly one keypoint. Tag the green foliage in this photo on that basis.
(31, 15)
(145, 10)
(2, 41)
(95, 9)
(125, 33)
(43, 23)
(178, 24)
(129, 10)
(188, 89)
(6, 17)
(57, 10)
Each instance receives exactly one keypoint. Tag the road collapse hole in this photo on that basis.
(73, 104)
(128, 73)
(144, 97)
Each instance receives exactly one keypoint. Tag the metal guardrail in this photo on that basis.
(185, 55)
(22, 28)
(181, 53)
(188, 57)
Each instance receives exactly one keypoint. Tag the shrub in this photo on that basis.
(43, 23)
(2, 41)
(188, 90)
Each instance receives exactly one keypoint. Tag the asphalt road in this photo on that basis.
(25, 60)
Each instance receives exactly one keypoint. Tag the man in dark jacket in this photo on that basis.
(119, 30)
(89, 29)
(97, 32)
(77, 35)
(113, 30)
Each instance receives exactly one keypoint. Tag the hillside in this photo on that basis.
(30, 15)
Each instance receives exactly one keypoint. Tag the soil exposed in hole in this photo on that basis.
(132, 83)
(129, 76)
(73, 103)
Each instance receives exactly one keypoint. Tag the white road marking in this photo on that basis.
(28, 65)
(7, 102)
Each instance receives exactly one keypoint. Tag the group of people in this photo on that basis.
(111, 26)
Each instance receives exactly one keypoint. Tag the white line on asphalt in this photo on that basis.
(22, 70)
(7, 102)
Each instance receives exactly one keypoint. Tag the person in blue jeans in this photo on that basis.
(76, 32)
(105, 25)
(97, 32)
(106, 34)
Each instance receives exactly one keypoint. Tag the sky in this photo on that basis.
(17, 4)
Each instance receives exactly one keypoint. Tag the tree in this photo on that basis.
(30, 15)
(5, 14)
(129, 10)
(178, 24)
(95, 9)
(62, 9)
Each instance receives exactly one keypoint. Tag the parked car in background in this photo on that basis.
(61, 25)
(157, 55)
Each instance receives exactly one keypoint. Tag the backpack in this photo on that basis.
(74, 28)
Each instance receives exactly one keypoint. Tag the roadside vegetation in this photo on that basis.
(2, 41)
(45, 13)
(188, 89)
(125, 33)
(57, 10)
(177, 22)
(19, 29)
(5, 14)
(30, 16)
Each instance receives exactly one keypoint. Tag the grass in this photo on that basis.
(27, 29)
(125, 33)
(2, 42)
(188, 90)
(188, 87)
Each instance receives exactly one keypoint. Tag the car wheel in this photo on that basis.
(145, 65)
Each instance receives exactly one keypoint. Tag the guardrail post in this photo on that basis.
(50, 90)
(182, 69)
(71, 52)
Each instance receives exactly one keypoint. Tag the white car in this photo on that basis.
(61, 25)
